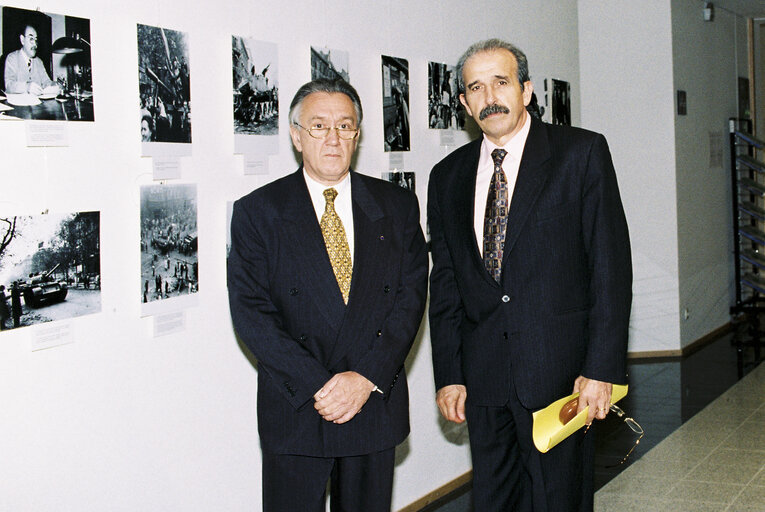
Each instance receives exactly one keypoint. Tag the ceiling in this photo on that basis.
(745, 8)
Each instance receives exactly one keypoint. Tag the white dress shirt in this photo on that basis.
(343, 204)
(510, 165)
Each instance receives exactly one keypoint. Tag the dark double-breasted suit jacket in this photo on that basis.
(562, 307)
(287, 309)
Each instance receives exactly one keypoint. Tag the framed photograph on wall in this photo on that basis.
(45, 66)
(50, 268)
(255, 70)
(169, 263)
(164, 87)
(395, 77)
(328, 63)
(444, 109)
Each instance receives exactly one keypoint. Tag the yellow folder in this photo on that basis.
(548, 428)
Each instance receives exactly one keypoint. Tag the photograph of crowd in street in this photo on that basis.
(169, 266)
(163, 77)
(444, 109)
(50, 268)
(45, 66)
(403, 179)
(256, 87)
(326, 63)
(395, 75)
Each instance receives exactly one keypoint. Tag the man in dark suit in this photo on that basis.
(330, 331)
(530, 287)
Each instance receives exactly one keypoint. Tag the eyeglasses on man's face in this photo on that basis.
(320, 131)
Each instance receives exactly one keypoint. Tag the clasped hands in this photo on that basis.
(342, 397)
(594, 393)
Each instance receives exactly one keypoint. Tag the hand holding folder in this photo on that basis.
(559, 420)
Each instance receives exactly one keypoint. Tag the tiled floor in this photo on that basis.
(685, 461)
(713, 462)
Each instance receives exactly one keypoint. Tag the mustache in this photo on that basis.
(493, 109)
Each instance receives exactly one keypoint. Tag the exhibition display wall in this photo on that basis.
(131, 392)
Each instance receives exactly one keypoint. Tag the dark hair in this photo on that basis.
(491, 45)
(337, 85)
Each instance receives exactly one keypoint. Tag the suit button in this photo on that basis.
(505, 298)
(379, 333)
(386, 289)
(293, 291)
(303, 337)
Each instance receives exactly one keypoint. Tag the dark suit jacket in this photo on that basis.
(288, 310)
(562, 308)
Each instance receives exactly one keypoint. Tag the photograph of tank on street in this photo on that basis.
(50, 268)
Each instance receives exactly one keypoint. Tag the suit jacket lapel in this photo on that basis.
(532, 175)
(464, 214)
(310, 255)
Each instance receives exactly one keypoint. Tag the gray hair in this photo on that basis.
(337, 85)
(491, 45)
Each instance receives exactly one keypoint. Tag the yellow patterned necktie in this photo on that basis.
(337, 244)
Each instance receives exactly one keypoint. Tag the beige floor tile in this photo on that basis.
(749, 436)
(760, 478)
(751, 499)
(617, 503)
(692, 506)
(707, 492)
(638, 485)
(730, 457)
(711, 470)
(678, 449)
(666, 469)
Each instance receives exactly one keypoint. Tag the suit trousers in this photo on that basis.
(298, 483)
(510, 474)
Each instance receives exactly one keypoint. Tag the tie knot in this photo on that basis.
(330, 194)
(498, 155)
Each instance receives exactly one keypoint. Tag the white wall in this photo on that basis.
(627, 94)
(706, 66)
(120, 420)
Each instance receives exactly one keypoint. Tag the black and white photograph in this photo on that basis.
(256, 87)
(395, 76)
(164, 85)
(50, 268)
(404, 179)
(169, 265)
(444, 109)
(327, 63)
(561, 102)
(45, 66)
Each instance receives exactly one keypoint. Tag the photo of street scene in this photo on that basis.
(169, 266)
(395, 81)
(164, 83)
(256, 87)
(50, 268)
(327, 63)
(444, 109)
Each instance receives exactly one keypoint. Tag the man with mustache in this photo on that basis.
(530, 287)
(24, 71)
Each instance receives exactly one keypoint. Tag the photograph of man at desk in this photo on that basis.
(45, 66)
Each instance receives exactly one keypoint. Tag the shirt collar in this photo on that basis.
(316, 188)
(514, 146)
